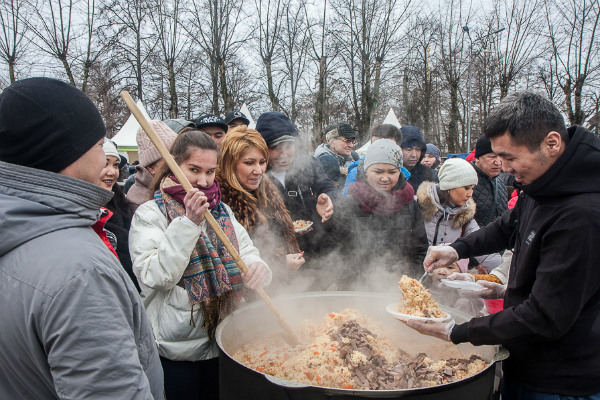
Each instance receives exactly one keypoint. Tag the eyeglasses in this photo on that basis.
(346, 140)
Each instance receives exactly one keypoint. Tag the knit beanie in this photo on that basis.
(384, 151)
(456, 173)
(337, 130)
(433, 150)
(483, 147)
(276, 127)
(411, 136)
(47, 124)
(110, 149)
(147, 153)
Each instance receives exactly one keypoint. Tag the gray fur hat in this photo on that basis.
(384, 151)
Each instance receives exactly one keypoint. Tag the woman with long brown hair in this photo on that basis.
(257, 203)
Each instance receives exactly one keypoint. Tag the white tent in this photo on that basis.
(244, 110)
(389, 119)
(125, 138)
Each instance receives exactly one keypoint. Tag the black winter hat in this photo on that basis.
(411, 136)
(236, 115)
(340, 129)
(483, 147)
(273, 126)
(210, 120)
(47, 124)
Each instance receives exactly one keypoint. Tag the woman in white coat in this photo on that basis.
(189, 280)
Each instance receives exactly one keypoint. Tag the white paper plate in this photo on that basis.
(394, 307)
(305, 228)
(463, 285)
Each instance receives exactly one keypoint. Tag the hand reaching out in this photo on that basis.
(324, 207)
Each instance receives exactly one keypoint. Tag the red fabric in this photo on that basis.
(213, 193)
(494, 305)
(374, 202)
(99, 229)
(471, 156)
(513, 200)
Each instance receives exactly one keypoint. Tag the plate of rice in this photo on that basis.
(395, 309)
(416, 303)
(301, 225)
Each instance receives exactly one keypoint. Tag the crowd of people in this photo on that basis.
(129, 308)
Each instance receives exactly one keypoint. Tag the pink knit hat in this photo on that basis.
(147, 153)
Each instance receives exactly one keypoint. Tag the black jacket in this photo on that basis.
(491, 197)
(372, 243)
(304, 182)
(551, 317)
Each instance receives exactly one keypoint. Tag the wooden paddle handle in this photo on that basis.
(164, 152)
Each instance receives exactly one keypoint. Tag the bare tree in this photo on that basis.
(136, 43)
(14, 30)
(295, 47)
(214, 27)
(367, 33)
(452, 55)
(53, 29)
(269, 15)
(98, 40)
(322, 58)
(572, 29)
(171, 43)
(517, 45)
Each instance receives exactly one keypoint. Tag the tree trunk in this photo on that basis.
(272, 96)
(227, 100)
(86, 74)
(452, 136)
(319, 116)
(67, 67)
(11, 70)
(173, 108)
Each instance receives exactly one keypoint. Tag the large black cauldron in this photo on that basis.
(256, 320)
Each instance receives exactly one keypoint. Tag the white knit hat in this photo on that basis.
(147, 153)
(456, 173)
(110, 149)
(384, 151)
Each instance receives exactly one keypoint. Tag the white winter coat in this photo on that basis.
(160, 253)
(449, 222)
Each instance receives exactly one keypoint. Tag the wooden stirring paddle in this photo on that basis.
(207, 215)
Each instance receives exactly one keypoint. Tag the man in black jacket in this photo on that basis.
(551, 317)
(413, 149)
(304, 186)
(490, 194)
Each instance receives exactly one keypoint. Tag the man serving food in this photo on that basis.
(551, 317)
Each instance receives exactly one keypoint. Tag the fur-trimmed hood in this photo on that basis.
(430, 206)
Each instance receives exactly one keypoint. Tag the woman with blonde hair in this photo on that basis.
(257, 203)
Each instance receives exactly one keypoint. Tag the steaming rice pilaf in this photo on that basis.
(327, 358)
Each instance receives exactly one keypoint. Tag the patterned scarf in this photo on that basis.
(211, 278)
(381, 203)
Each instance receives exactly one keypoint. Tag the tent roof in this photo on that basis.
(391, 119)
(246, 112)
(125, 138)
